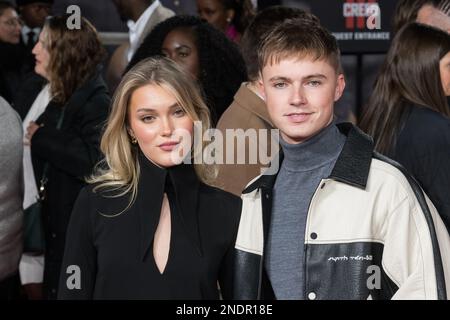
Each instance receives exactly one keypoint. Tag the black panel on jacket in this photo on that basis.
(361, 260)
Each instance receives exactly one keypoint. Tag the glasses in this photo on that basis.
(11, 23)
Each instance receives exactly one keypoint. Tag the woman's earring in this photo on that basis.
(228, 20)
(133, 140)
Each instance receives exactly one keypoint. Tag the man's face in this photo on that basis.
(300, 94)
(34, 14)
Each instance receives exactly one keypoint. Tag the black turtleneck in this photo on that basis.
(115, 253)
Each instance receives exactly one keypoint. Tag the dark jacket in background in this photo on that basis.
(115, 254)
(423, 148)
(11, 61)
(72, 153)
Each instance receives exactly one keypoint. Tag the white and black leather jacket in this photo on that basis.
(371, 233)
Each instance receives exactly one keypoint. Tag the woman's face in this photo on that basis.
(444, 66)
(180, 46)
(42, 55)
(160, 125)
(215, 13)
(10, 26)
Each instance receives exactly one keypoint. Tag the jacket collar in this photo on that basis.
(152, 185)
(249, 100)
(352, 166)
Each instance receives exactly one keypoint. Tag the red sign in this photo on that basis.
(357, 10)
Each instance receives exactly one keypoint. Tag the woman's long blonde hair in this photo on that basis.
(119, 171)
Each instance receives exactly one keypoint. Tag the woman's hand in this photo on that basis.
(31, 130)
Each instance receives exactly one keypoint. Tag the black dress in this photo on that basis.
(115, 254)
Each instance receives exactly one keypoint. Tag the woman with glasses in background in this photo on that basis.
(11, 53)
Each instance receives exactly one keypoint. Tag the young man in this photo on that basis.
(248, 110)
(338, 221)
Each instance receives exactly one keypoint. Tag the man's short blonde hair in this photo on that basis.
(297, 38)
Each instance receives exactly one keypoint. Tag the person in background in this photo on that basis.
(408, 114)
(204, 52)
(435, 13)
(145, 228)
(65, 138)
(11, 193)
(229, 16)
(33, 14)
(141, 16)
(31, 267)
(181, 6)
(248, 110)
(11, 53)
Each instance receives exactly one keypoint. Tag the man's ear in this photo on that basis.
(340, 86)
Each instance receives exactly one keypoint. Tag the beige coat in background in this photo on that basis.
(248, 111)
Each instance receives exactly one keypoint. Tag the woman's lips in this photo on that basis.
(168, 146)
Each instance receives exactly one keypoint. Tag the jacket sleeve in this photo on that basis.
(417, 250)
(71, 151)
(78, 271)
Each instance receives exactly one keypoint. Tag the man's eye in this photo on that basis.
(183, 54)
(314, 83)
(280, 85)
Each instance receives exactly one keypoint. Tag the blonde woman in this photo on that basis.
(149, 226)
